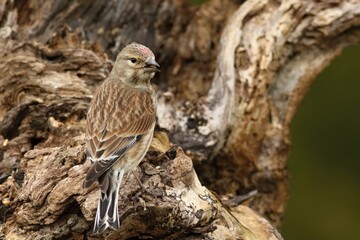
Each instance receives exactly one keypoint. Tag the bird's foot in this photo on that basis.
(154, 191)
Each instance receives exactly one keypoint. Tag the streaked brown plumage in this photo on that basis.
(120, 125)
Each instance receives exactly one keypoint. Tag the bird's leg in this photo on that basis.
(139, 182)
(152, 192)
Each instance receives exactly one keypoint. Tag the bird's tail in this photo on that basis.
(107, 214)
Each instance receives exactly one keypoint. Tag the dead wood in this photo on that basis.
(233, 76)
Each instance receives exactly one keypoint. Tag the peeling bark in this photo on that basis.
(233, 76)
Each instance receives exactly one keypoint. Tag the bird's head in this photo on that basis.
(136, 65)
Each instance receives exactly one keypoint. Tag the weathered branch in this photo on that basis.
(268, 56)
(45, 104)
(231, 116)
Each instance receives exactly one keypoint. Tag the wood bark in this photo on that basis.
(233, 76)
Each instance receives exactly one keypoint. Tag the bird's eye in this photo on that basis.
(133, 60)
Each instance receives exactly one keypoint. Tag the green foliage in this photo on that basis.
(325, 162)
(197, 2)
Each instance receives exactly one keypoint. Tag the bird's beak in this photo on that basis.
(153, 65)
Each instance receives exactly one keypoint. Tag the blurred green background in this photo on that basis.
(325, 160)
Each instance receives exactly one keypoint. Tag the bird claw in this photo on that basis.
(155, 194)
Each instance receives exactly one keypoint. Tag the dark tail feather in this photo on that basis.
(107, 215)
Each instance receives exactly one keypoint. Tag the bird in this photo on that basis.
(119, 128)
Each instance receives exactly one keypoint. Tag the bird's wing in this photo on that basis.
(114, 125)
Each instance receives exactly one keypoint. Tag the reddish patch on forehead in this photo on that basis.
(138, 50)
(146, 52)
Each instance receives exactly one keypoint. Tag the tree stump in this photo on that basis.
(233, 76)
